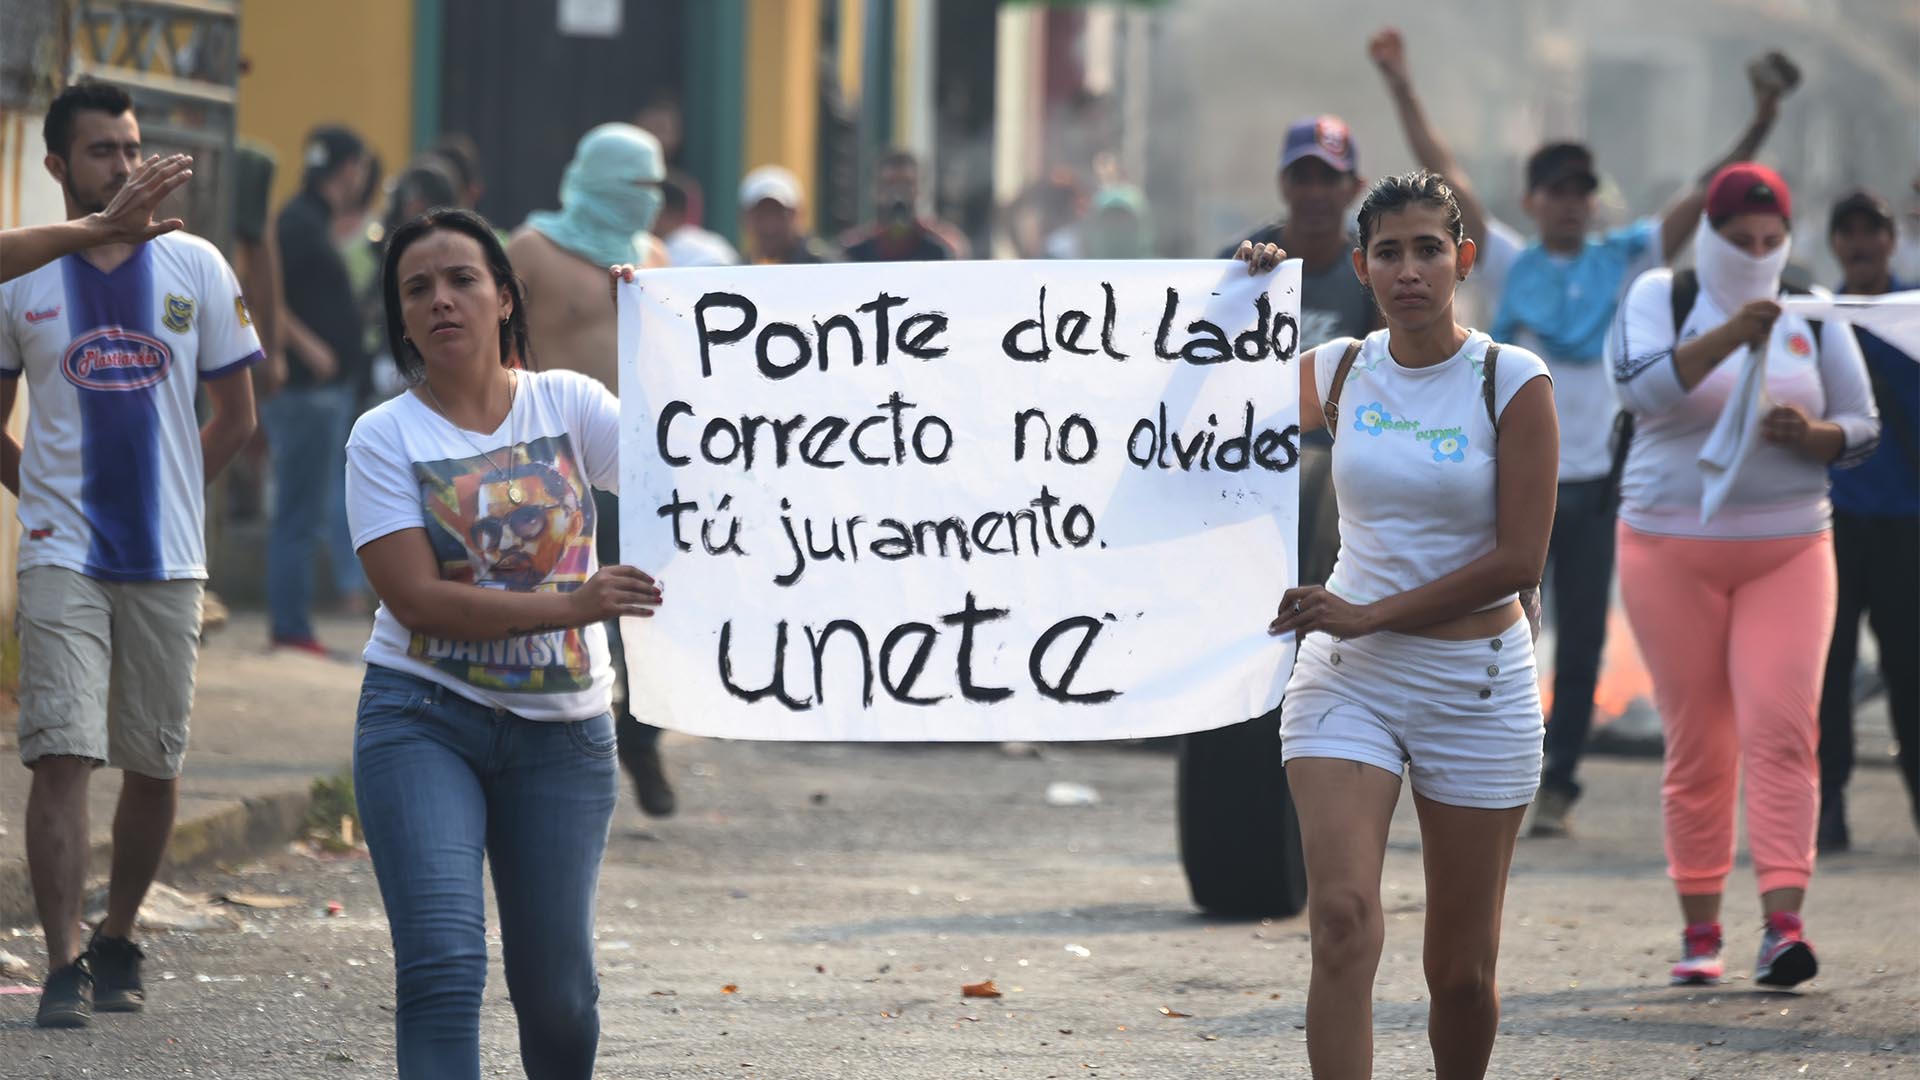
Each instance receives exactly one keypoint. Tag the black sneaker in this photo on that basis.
(115, 963)
(650, 782)
(66, 1001)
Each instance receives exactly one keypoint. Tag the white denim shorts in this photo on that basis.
(1461, 717)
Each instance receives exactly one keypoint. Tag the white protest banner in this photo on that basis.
(959, 501)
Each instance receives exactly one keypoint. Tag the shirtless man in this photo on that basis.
(608, 199)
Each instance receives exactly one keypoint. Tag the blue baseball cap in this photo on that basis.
(1324, 137)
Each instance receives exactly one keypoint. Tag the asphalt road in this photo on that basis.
(847, 893)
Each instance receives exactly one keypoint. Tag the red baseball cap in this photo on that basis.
(1747, 187)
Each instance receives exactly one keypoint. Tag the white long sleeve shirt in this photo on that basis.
(1778, 491)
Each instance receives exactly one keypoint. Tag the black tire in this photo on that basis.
(1239, 836)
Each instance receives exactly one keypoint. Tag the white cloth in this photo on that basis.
(408, 467)
(1583, 402)
(1770, 491)
(1892, 317)
(691, 245)
(1413, 463)
(112, 482)
(1735, 435)
(1490, 267)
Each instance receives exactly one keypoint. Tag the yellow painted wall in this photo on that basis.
(342, 61)
(853, 36)
(783, 94)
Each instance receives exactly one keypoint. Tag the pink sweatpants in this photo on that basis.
(1735, 635)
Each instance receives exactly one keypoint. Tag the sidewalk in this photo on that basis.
(265, 726)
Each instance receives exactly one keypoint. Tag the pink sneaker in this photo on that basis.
(1786, 959)
(1700, 957)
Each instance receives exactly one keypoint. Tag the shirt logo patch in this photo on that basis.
(113, 358)
(1799, 345)
(1331, 134)
(44, 314)
(40, 534)
(240, 311)
(179, 316)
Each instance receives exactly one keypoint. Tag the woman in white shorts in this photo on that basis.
(1416, 656)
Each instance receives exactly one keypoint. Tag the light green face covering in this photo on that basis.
(602, 202)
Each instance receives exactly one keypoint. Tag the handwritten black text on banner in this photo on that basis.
(960, 501)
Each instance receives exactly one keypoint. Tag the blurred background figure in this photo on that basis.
(462, 156)
(771, 204)
(327, 374)
(678, 227)
(1043, 222)
(898, 232)
(1118, 226)
(1876, 531)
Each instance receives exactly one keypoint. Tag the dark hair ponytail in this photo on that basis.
(514, 344)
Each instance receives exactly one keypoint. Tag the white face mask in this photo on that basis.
(1732, 278)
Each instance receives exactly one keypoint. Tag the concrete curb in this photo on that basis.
(234, 830)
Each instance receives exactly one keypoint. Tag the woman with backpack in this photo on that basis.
(1729, 582)
(1417, 654)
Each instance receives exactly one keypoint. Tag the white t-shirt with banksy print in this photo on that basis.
(408, 467)
(1414, 462)
(112, 482)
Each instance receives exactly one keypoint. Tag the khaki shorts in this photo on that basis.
(106, 669)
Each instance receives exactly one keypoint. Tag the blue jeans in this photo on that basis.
(307, 435)
(342, 560)
(442, 782)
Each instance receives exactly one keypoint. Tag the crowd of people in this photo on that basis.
(438, 406)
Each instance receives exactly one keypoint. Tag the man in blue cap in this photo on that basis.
(1319, 179)
(609, 197)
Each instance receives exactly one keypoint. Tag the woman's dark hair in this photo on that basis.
(515, 349)
(1395, 193)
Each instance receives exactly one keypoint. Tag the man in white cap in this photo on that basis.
(770, 204)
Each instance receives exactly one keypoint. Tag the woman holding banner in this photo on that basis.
(1729, 580)
(483, 728)
(1417, 654)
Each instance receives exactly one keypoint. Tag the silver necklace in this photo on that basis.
(513, 392)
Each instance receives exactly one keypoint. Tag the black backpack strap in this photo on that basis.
(1686, 289)
(1330, 408)
(1489, 370)
(1488, 367)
